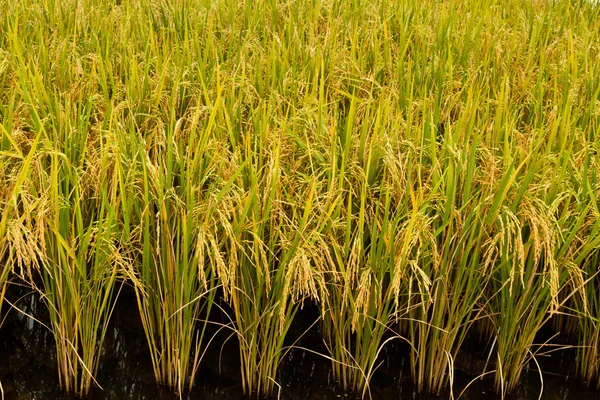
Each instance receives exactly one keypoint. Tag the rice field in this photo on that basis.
(419, 170)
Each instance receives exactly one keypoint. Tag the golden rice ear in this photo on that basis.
(363, 297)
(226, 274)
(201, 246)
(350, 277)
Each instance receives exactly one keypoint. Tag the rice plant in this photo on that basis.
(270, 254)
(359, 301)
(79, 273)
(174, 283)
(166, 163)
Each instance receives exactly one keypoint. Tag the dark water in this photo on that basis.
(28, 366)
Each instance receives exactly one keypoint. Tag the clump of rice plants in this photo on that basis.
(172, 277)
(167, 159)
(79, 274)
(71, 238)
(358, 303)
(270, 255)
